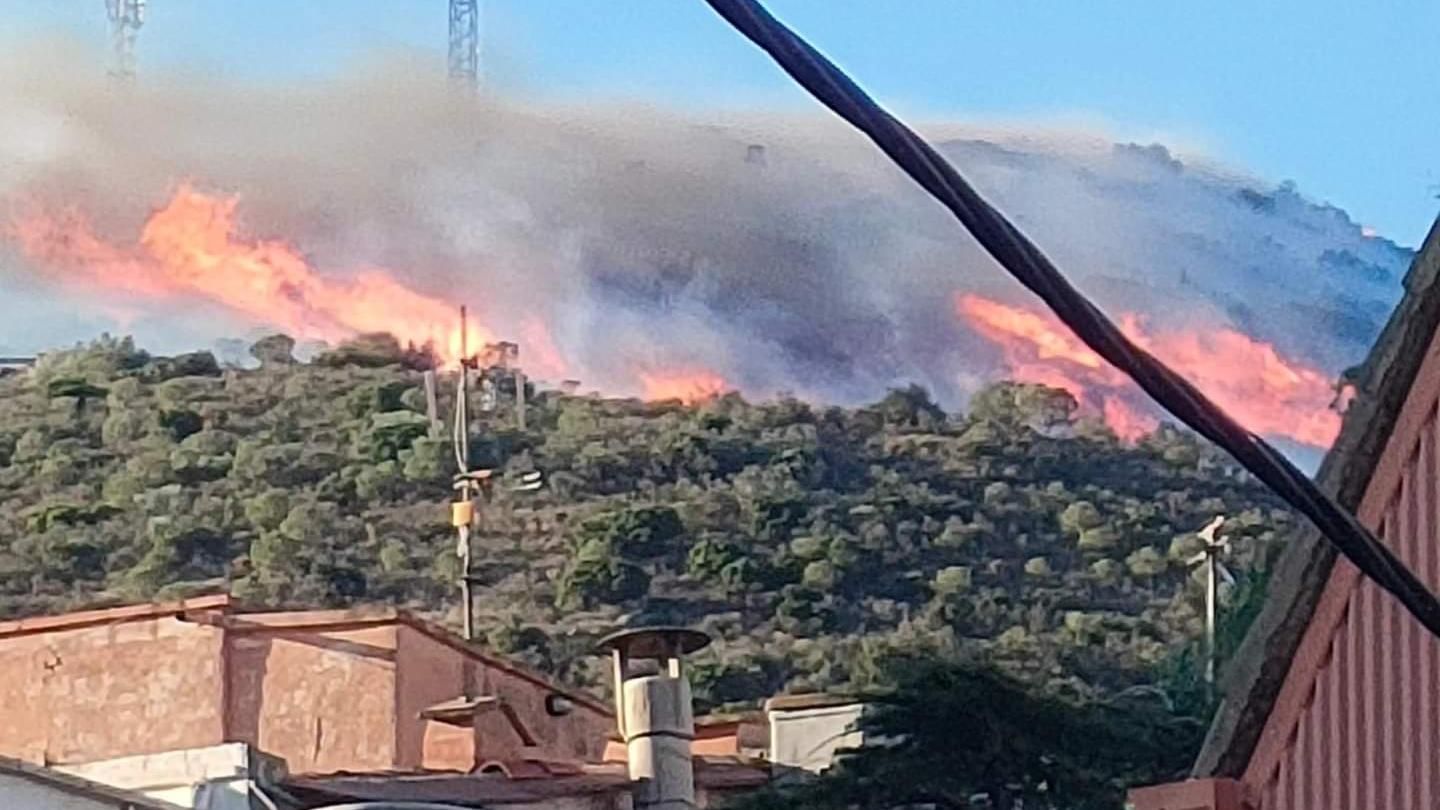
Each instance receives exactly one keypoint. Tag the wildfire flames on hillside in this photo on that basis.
(686, 386)
(192, 246)
(640, 251)
(1264, 391)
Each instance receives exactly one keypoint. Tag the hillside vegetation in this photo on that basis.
(812, 541)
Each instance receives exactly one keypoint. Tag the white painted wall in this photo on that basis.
(217, 777)
(24, 793)
(809, 738)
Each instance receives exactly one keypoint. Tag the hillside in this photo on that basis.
(810, 540)
(778, 253)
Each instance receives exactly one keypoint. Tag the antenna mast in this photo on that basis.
(126, 17)
(464, 62)
(462, 511)
(1209, 556)
(474, 488)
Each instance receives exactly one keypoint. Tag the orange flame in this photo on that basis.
(191, 247)
(1265, 392)
(542, 355)
(1128, 423)
(690, 387)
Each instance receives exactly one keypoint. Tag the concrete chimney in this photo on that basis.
(653, 708)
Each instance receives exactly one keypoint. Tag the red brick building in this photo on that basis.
(1333, 700)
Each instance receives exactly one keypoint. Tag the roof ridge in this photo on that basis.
(116, 613)
(469, 647)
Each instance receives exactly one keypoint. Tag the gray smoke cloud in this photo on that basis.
(782, 252)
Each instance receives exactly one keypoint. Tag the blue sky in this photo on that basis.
(1338, 96)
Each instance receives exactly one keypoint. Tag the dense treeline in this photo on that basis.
(956, 736)
(812, 541)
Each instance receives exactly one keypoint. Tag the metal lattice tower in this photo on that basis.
(126, 17)
(465, 42)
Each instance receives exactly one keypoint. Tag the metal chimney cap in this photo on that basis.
(654, 642)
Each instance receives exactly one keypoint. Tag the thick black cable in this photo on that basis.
(1023, 260)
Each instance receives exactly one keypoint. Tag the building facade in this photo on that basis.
(202, 705)
(325, 691)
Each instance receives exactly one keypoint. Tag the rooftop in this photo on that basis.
(224, 610)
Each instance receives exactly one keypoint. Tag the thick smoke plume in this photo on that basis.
(619, 243)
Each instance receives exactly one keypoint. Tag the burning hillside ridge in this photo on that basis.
(611, 241)
(1268, 394)
(687, 386)
(191, 247)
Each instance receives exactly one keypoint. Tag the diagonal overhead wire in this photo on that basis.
(1023, 260)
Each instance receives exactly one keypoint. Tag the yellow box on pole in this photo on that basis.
(462, 513)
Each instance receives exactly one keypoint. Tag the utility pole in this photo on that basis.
(473, 488)
(432, 404)
(462, 511)
(464, 62)
(1209, 556)
(126, 17)
(519, 397)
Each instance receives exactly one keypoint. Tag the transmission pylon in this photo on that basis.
(465, 43)
(126, 17)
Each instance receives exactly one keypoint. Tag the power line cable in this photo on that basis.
(1023, 260)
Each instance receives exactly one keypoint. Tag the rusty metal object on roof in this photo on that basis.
(654, 642)
(515, 782)
(462, 711)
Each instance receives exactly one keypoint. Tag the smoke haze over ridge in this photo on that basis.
(647, 239)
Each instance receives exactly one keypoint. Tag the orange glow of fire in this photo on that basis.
(690, 387)
(1128, 423)
(542, 356)
(1264, 391)
(191, 247)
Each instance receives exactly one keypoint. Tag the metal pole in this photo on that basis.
(462, 439)
(432, 405)
(126, 19)
(465, 598)
(462, 402)
(519, 399)
(1210, 596)
(464, 61)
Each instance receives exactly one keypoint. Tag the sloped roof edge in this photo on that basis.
(109, 615)
(1259, 668)
(76, 786)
